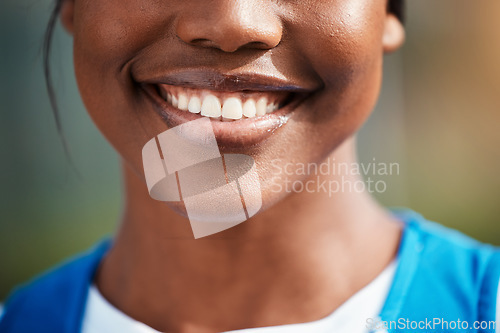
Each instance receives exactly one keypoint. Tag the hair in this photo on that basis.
(394, 6)
(46, 48)
(397, 7)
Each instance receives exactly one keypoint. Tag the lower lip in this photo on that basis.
(241, 133)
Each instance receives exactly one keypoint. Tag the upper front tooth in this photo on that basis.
(194, 105)
(183, 102)
(175, 101)
(249, 109)
(261, 106)
(232, 108)
(211, 107)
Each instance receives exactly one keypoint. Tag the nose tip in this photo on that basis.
(229, 26)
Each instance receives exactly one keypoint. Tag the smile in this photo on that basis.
(244, 110)
(223, 106)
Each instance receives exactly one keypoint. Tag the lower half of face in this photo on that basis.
(283, 82)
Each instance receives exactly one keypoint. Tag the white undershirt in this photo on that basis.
(350, 317)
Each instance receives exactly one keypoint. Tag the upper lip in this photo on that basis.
(230, 82)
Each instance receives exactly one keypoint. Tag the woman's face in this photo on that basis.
(318, 62)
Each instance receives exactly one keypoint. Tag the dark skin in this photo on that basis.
(305, 253)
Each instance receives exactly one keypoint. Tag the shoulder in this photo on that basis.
(53, 301)
(461, 273)
(452, 248)
(444, 242)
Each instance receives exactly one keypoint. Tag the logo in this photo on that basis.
(184, 164)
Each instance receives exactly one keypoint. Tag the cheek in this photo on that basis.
(106, 37)
(345, 48)
(111, 32)
(342, 42)
(345, 38)
(343, 45)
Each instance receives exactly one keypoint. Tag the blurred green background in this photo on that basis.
(438, 117)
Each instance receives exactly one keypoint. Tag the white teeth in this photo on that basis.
(269, 108)
(261, 107)
(272, 107)
(194, 105)
(249, 109)
(232, 108)
(211, 107)
(183, 102)
(175, 101)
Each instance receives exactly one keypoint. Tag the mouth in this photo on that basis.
(245, 110)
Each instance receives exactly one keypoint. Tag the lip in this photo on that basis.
(242, 133)
(230, 82)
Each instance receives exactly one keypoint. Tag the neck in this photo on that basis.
(294, 262)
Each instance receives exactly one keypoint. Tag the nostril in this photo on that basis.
(256, 45)
(200, 41)
(207, 43)
(203, 42)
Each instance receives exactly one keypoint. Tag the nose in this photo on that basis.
(229, 25)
